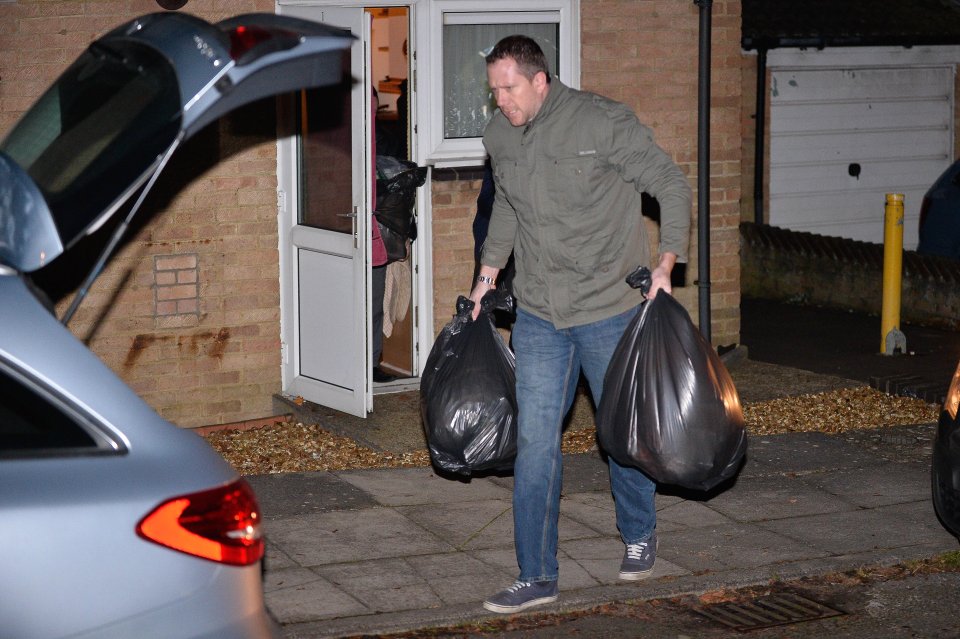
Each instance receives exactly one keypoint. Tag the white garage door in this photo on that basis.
(840, 139)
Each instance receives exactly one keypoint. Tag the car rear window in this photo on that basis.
(97, 130)
(35, 423)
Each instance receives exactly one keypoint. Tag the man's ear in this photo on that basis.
(539, 80)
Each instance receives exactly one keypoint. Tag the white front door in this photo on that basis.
(325, 187)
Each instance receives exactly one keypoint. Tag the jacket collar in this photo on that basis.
(555, 97)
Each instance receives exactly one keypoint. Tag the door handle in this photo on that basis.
(353, 224)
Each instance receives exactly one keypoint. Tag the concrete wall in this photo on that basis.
(810, 269)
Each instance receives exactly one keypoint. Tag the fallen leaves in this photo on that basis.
(289, 447)
(294, 447)
(836, 412)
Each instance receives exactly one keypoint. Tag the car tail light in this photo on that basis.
(952, 402)
(248, 42)
(221, 524)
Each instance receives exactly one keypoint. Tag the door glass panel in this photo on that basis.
(325, 146)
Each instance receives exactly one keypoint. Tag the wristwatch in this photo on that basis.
(486, 280)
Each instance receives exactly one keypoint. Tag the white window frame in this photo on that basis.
(461, 152)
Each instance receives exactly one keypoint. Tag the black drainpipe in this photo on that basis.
(761, 119)
(703, 169)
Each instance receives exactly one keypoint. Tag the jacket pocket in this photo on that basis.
(594, 268)
(574, 180)
(514, 181)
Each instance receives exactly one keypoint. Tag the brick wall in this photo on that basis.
(645, 54)
(213, 358)
(956, 110)
(454, 205)
(202, 347)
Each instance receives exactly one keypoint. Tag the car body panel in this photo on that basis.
(939, 228)
(85, 507)
(945, 467)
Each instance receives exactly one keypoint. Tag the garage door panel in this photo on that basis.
(862, 230)
(867, 219)
(917, 145)
(833, 85)
(862, 221)
(891, 127)
(872, 200)
(872, 179)
(906, 113)
(875, 178)
(888, 176)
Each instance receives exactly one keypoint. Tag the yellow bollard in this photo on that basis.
(891, 339)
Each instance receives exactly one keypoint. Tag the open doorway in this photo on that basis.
(390, 74)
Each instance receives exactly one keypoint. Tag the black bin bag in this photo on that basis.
(397, 184)
(669, 405)
(468, 395)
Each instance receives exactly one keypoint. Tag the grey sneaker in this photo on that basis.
(638, 559)
(522, 595)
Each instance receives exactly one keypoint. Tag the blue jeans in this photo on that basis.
(548, 370)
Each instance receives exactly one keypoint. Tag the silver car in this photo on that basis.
(114, 522)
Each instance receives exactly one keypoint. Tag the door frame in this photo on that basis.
(421, 253)
(328, 363)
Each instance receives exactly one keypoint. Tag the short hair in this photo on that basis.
(525, 51)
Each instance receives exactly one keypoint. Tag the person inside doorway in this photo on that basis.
(378, 262)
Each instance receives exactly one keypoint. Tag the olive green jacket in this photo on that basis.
(567, 205)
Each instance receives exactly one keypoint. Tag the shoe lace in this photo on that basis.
(635, 551)
(518, 585)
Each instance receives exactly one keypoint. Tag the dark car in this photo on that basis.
(945, 474)
(940, 216)
(114, 522)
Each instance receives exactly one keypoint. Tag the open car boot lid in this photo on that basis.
(107, 126)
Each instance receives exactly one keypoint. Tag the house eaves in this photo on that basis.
(771, 24)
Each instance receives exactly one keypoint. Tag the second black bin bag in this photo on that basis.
(669, 405)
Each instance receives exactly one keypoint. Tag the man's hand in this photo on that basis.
(485, 282)
(660, 278)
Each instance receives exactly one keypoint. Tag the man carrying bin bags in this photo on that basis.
(569, 168)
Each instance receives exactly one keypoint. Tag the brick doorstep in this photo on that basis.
(243, 425)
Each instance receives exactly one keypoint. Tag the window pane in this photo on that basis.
(97, 130)
(467, 102)
(326, 159)
(31, 424)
